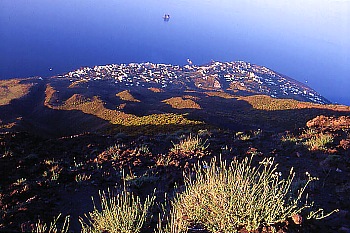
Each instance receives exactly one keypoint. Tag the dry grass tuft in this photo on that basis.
(222, 198)
(42, 227)
(319, 141)
(190, 144)
(123, 213)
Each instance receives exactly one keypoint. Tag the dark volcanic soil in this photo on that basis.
(40, 178)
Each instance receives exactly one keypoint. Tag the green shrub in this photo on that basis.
(123, 213)
(227, 198)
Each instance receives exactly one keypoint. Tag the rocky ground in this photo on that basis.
(40, 178)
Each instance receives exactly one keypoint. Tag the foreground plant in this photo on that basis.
(221, 198)
(123, 213)
(42, 227)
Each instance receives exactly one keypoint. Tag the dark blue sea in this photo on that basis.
(308, 40)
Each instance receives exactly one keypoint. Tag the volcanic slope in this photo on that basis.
(64, 139)
(150, 98)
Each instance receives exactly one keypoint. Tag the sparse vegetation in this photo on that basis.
(163, 160)
(114, 151)
(12, 89)
(204, 133)
(43, 176)
(95, 106)
(182, 103)
(215, 197)
(40, 227)
(155, 90)
(50, 96)
(243, 136)
(223, 198)
(124, 213)
(224, 95)
(309, 132)
(79, 178)
(319, 141)
(142, 149)
(127, 96)
(20, 181)
(268, 103)
(190, 144)
(78, 83)
(289, 138)
(138, 181)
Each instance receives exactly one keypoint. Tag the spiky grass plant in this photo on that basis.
(114, 151)
(225, 198)
(319, 142)
(40, 227)
(142, 149)
(190, 144)
(123, 213)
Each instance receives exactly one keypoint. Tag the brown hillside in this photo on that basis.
(12, 89)
(263, 102)
(127, 96)
(182, 103)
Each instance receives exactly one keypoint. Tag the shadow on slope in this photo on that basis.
(234, 112)
(32, 116)
(216, 109)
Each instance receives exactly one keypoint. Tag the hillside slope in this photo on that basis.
(148, 98)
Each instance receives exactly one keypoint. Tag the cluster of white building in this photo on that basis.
(253, 78)
(133, 74)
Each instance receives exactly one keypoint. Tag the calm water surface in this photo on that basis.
(307, 40)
